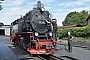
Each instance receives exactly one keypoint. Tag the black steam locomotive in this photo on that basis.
(35, 31)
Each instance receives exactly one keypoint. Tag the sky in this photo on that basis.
(13, 9)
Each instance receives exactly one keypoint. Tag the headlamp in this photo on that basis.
(50, 34)
(36, 34)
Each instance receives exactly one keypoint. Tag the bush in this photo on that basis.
(62, 33)
(77, 32)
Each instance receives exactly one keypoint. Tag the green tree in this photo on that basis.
(74, 18)
(0, 4)
(1, 24)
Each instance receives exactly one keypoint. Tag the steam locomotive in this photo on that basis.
(36, 31)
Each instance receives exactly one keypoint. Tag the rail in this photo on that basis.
(52, 57)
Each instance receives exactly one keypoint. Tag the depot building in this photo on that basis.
(5, 30)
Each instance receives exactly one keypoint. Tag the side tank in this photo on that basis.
(17, 27)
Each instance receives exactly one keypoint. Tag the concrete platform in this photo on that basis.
(6, 53)
(77, 53)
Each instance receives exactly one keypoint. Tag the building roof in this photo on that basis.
(71, 26)
(5, 26)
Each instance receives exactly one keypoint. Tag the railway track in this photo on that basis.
(23, 55)
(52, 57)
(49, 57)
(38, 57)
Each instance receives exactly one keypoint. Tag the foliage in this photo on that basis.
(62, 33)
(1, 24)
(79, 32)
(1, 5)
(76, 32)
(74, 18)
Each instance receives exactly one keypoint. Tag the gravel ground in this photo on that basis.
(77, 43)
(24, 55)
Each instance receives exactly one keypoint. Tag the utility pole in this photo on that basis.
(0, 4)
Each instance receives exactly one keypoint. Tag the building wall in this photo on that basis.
(89, 20)
(7, 29)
